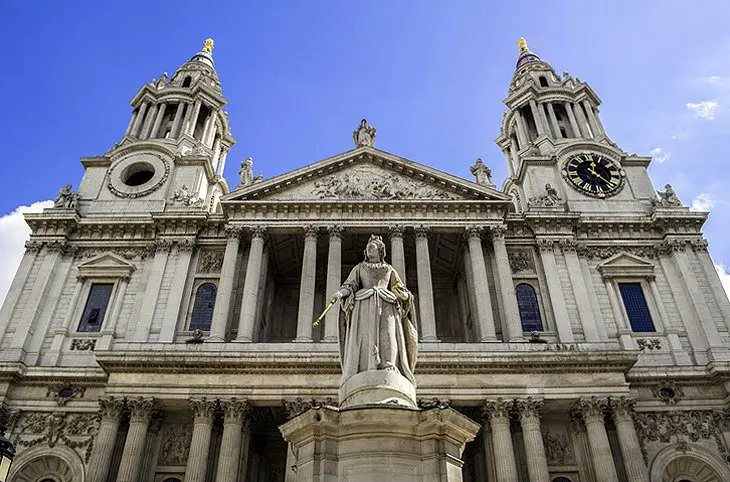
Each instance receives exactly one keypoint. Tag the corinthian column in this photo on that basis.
(222, 306)
(530, 410)
(234, 415)
(334, 279)
(622, 410)
(203, 411)
(592, 410)
(306, 286)
(251, 285)
(140, 413)
(101, 455)
(425, 286)
(485, 317)
(507, 287)
(397, 254)
(504, 455)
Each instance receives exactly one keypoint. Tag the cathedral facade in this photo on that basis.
(160, 327)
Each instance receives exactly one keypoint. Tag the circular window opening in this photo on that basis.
(667, 392)
(138, 174)
(65, 393)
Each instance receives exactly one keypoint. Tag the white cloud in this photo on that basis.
(713, 79)
(707, 109)
(703, 202)
(724, 277)
(659, 154)
(13, 235)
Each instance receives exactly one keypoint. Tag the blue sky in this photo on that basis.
(429, 75)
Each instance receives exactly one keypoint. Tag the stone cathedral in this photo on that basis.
(160, 327)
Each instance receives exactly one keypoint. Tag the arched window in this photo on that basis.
(172, 479)
(187, 81)
(529, 309)
(203, 306)
(543, 81)
(562, 479)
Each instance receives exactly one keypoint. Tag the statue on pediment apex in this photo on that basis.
(364, 135)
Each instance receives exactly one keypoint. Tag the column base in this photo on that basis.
(215, 339)
(381, 444)
(302, 339)
(242, 339)
(387, 387)
(330, 339)
(490, 339)
(430, 339)
(517, 339)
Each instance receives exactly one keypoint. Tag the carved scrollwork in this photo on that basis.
(335, 231)
(528, 408)
(111, 408)
(428, 403)
(210, 262)
(298, 406)
(233, 231)
(591, 408)
(141, 409)
(75, 430)
(558, 449)
(235, 410)
(203, 409)
(497, 232)
(62, 393)
(498, 408)
(520, 261)
(649, 343)
(83, 344)
(668, 392)
(257, 231)
(175, 446)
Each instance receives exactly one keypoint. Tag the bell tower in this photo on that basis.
(556, 149)
(174, 149)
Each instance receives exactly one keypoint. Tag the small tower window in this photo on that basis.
(529, 308)
(95, 308)
(187, 81)
(202, 315)
(636, 308)
(543, 81)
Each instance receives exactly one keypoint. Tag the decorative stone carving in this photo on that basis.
(203, 409)
(396, 231)
(481, 172)
(245, 174)
(496, 408)
(32, 246)
(364, 135)
(363, 182)
(257, 231)
(311, 231)
(83, 344)
(66, 198)
(111, 407)
(62, 393)
(668, 392)
(335, 231)
(604, 252)
(649, 343)
(175, 445)
(297, 406)
(528, 407)
(622, 406)
(567, 245)
(236, 409)
(667, 198)
(550, 199)
(427, 403)
(141, 409)
(163, 245)
(76, 431)
(497, 232)
(592, 407)
(210, 262)
(183, 196)
(544, 244)
(558, 449)
(520, 261)
(233, 231)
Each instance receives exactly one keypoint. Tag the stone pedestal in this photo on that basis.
(377, 387)
(383, 444)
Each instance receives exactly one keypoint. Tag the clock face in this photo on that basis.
(594, 174)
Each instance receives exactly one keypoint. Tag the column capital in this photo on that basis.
(422, 231)
(81, 278)
(568, 245)
(203, 409)
(499, 408)
(473, 232)
(257, 231)
(529, 408)
(311, 231)
(396, 231)
(111, 408)
(497, 232)
(141, 409)
(545, 244)
(163, 245)
(591, 409)
(233, 231)
(622, 407)
(235, 410)
(185, 245)
(335, 231)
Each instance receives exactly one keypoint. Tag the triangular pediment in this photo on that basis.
(106, 265)
(366, 174)
(626, 264)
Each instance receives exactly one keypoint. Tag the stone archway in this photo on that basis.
(59, 464)
(696, 465)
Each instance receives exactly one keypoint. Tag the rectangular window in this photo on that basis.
(96, 305)
(636, 307)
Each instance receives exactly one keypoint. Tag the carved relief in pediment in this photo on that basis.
(365, 182)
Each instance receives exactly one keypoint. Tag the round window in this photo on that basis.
(138, 174)
(65, 393)
(666, 392)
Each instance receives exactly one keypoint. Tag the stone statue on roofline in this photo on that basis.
(245, 174)
(667, 198)
(364, 135)
(481, 172)
(66, 198)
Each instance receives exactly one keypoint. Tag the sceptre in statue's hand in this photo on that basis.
(342, 293)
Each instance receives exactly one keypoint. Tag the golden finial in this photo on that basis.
(523, 45)
(208, 46)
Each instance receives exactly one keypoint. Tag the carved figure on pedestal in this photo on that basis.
(551, 198)
(66, 198)
(667, 198)
(378, 334)
(245, 174)
(481, 172)
(364, 135)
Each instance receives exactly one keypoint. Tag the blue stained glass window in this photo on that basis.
(529, 309)
(96, 305)
(636, 307)
(203, 307)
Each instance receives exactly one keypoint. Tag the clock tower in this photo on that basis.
(557, 151)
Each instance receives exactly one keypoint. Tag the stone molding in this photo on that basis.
(235, 410)
(335, 231)
(141, 409)
(591, 409)
(111, 408)
(203, 410)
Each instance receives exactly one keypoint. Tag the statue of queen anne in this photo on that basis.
(378, 334)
